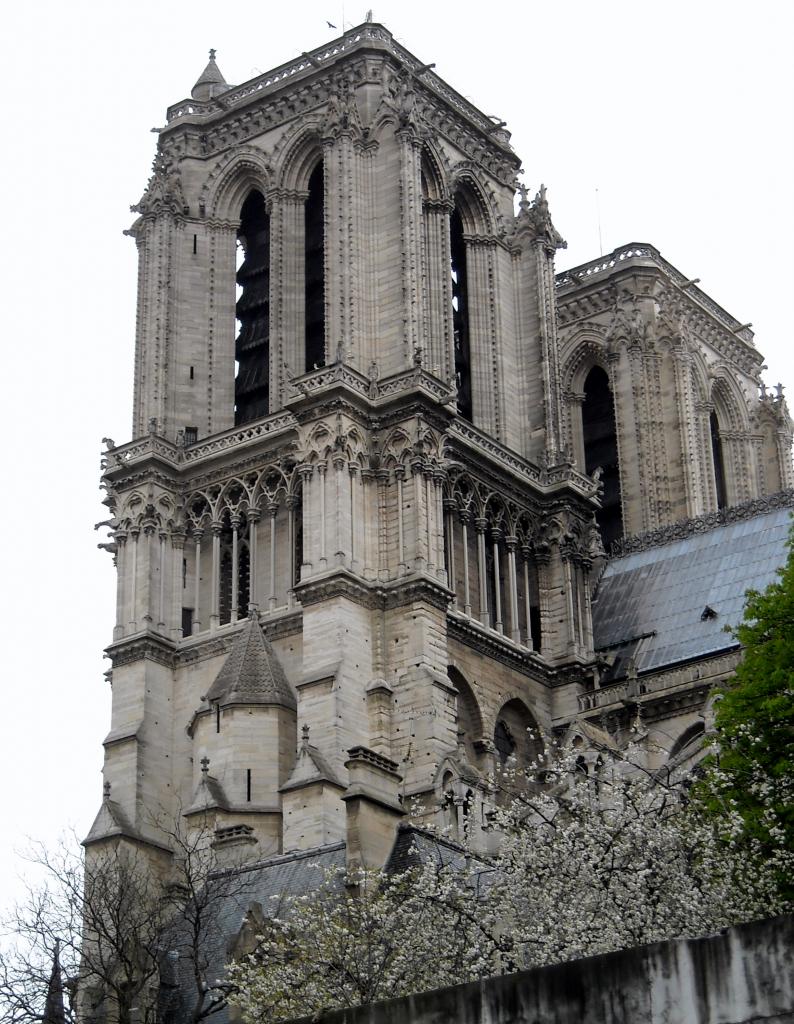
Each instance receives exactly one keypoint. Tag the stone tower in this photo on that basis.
(355, 532)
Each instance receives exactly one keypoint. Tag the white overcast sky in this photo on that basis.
(680, 114)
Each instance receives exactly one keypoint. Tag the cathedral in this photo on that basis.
(401, 501)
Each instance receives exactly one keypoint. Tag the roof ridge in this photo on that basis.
(701, 524)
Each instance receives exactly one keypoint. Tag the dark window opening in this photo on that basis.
(534, 621)
(248, 785)
(601, 449)
(460, 314)
(195, 244)
(719, 462)
(315, 270)
(217, 718)
(191, 435)
(503, 741)
(252, 349)
(191, 373)
(187, 621)
(298, 538)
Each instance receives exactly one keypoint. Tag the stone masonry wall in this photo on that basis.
(740, 976)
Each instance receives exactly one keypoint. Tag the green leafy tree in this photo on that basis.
(749, 783)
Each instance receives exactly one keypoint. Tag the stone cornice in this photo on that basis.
(660, 690)
(500, 648)
(154, 451)
(209, 645)
(142, 646)
(341, 582)
(641, 254)
(588, 290)
(241, 111)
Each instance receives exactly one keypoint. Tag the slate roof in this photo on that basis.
(670, 602)
(260, 883)
(293, 874)
(211, 75)
(252, 674)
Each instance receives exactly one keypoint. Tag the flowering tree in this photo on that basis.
(749, 785)
(588, 861)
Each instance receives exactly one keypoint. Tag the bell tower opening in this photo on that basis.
(719, 462)
(460, 314)
(315, 270)
(601, 450)
(252, 348)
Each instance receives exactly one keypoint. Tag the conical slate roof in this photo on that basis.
(210, 82)
(252, 674)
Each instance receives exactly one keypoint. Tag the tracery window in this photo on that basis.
(601, 451)
(719, 462)
(460, 314)
(252, 348)
(315, 270)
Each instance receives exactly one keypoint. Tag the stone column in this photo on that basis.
(254, 516)
(450, 508)
(497, 586)
(133, 601)
(121, 568)
(525, 552)
(272, 511)
(215, 530)
(480, 525)
(177, 581)
(515, 629)
(464, 519)
(197, 535)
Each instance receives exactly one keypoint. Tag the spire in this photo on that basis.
(211, 82)
(252, 674)
(54, 1012)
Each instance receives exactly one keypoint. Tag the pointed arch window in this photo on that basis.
(460, 314)
(315, 270)
(601, 451)
(719, 462)
(252, 348)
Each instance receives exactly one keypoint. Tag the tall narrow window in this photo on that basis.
(460, 314)
(314, 270)
(252, 350)
(601, 449)
(719, 462)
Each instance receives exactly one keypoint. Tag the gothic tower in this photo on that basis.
(355, 532)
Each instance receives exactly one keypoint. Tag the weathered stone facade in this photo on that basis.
(357, 548)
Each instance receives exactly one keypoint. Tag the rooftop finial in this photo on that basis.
(205, 765)
(305, 737)
(106, 790)
(524, 203)
(212, 54)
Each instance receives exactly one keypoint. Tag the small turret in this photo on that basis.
(211, 82)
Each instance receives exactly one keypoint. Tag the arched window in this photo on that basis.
(516, 733)
(460, 314)
(719, 462)
(601, 450)
(469, 719)
(315, 270)
(252, 348)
